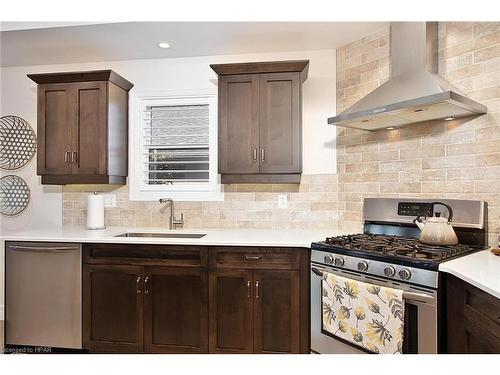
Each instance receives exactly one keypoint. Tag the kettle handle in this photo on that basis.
(431, 205)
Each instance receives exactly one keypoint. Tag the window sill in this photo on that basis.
(179, 196)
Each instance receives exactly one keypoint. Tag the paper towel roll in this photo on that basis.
(95, 211)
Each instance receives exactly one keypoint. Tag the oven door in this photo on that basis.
(420, 332)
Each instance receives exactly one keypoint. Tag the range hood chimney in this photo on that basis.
(415, 92)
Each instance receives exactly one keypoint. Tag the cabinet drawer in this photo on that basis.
(195, 256)
(255, 258)
(482, 309)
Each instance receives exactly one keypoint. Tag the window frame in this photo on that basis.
(196, 191)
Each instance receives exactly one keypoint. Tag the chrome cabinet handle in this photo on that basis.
(146, 283)
(263, 154)
(42, 249)
(254, 154)
(74, 157)
(66, 157)
(257, 284)
(138, 285)
(249, 289)
(252, 257)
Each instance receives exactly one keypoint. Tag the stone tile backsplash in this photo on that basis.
(456, 159)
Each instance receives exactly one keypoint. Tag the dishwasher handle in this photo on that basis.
(48, 249)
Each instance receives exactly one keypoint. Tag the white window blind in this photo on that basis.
(176, 140)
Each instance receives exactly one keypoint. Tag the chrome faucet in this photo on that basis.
(173, 221)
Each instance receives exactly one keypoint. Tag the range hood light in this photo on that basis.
(449, 118)
(391, 128)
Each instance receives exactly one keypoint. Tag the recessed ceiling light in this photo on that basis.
(163, 45)
(449, 118)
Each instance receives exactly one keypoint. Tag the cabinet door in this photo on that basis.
(176, 310)
(113, 308)
(231, 316)
(280, 130)
(89, 145)
(473, 319)
(276, 312)
(54, 128)
(238, 124)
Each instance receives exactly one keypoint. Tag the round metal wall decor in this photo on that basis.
(14, 195)
(17, 142)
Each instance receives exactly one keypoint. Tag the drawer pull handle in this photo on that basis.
(249, 289)
(138, 285)
(146, 285)
(252, 257)
(257, 284)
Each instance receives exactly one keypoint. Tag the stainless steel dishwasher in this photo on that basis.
(43, 294)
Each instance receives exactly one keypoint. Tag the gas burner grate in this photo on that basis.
(399, 246)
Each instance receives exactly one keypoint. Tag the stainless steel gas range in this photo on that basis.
(389, 254)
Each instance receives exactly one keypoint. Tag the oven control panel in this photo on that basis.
(414, 209)
(359, 266)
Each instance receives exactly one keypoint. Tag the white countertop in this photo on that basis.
(214, 237)
(481, 269)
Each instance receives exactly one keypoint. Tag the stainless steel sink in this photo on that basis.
(161, 235)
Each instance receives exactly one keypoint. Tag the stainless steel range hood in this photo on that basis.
(415, 92)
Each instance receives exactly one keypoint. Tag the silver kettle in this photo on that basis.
(437, 230)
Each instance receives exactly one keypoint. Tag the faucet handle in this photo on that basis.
(179, 221)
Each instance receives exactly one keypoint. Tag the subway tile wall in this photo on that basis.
(312, 204)
(457, 159)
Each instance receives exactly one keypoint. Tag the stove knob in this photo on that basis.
(328, 259)
(362, 266)
(405, 274)
(389, 271)
(339, 261)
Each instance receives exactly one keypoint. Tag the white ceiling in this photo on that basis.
(47, 44)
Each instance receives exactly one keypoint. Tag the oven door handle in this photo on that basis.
(409, 296)
(317, 272)
(418, 297)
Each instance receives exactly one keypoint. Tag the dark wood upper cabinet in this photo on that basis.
(238, 124)
(260, 121)
(280, 131)
(82, 127)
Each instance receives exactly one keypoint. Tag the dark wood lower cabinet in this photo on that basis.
(259, 300)
(276, 312)
(113, 308)
(175, 310)
(250, 300)
(473, 319)
(231, 311)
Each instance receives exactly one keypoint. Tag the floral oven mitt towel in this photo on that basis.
(364, 314)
